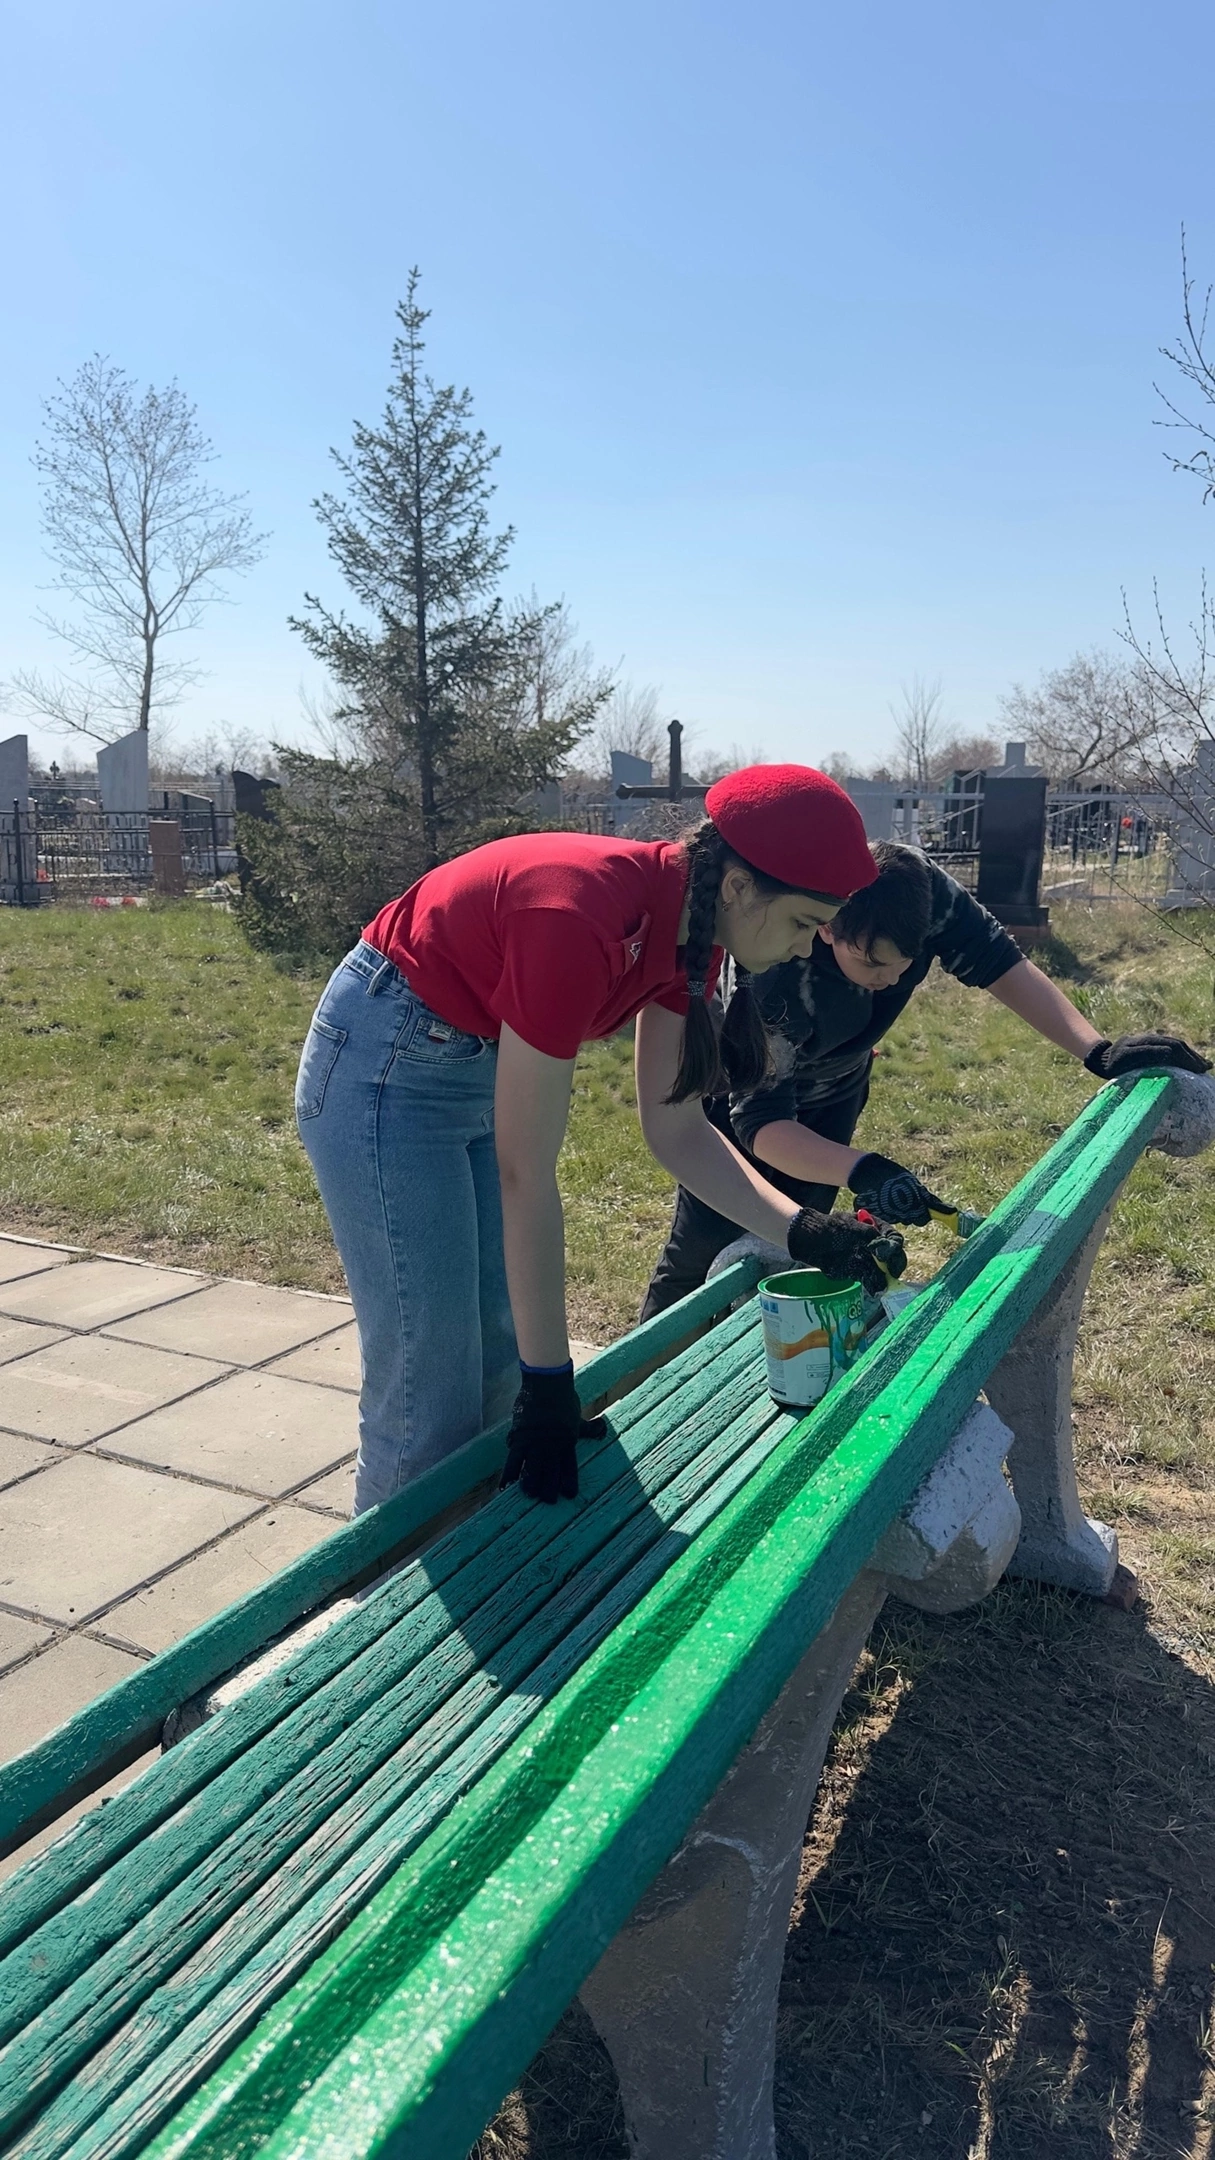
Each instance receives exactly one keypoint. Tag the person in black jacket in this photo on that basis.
(822, 1017)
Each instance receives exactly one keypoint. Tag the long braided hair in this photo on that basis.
(710, 1064)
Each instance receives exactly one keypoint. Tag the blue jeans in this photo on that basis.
(396, 1112)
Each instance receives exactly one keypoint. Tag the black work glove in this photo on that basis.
(893, 1193)
(545, 1426)
(840, 1245)
(1135, 1053)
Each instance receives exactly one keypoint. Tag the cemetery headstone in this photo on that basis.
(122, 775)
(628, 771)
(1192, 880)
(168, 869)
(18, 844)
(1012, 836)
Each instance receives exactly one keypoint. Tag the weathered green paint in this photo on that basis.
(111, 1731)
(177, 1886)
(137, 2106)
(403, 2035)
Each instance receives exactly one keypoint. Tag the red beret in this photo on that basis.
(795, 824)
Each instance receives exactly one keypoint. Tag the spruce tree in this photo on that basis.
(452, 708)
(433, 677)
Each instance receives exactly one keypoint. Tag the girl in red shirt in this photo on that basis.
(435, 1083)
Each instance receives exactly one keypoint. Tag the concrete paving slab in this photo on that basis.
(249, 1322)
(254, 1430)
(17, 1639)
(334, 1361)
(19, 1457)
(38, 1696)
(335, 1492)
(17, 1260)
(19, 1337)
(157, 1616)
(89, 1293)
(87, 1531)
(87, 1384)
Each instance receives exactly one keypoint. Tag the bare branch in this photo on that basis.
(1189, 356)
(919, 731)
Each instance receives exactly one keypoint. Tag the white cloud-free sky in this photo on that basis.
(819, 342)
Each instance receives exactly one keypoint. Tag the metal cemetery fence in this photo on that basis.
(1103, 844)
(62, 849)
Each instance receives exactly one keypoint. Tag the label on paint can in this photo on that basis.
(813, 1327)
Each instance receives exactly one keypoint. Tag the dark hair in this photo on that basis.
(739, 1060)
(897, 906)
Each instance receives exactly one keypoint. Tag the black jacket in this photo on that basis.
(821, 1028)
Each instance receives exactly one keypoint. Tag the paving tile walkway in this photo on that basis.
(167, 1440)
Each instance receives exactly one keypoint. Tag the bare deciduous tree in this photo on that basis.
(1177, 701)
(630, 721)
(140, 543)
(919, 730)
(1084, 722)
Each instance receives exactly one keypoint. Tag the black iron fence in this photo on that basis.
(77, 851)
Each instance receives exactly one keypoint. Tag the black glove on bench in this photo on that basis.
(545, 1427)
(1136, 1053)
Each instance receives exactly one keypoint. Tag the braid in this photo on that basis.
(699, 1063)
(708, 861)
(700, 1068)
(741, 1061)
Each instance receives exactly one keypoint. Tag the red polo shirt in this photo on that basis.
(560, 936)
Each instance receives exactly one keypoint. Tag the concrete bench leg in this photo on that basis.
(1031, 1389)
(685, 1998)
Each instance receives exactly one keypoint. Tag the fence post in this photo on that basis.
(214, 839)
(17, 852)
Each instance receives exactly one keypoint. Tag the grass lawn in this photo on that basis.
(985, 1962)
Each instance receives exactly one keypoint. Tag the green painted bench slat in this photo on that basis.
(121, 1724)
(58, 1874)
(138, 2103)
(341, 1736)
(403, 2035)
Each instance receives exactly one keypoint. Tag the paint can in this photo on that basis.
(813, 1326)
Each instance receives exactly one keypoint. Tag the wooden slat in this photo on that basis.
(99, 1839)
(112, 1730)
(368, 1767)
(502, 1912)
(482, 1585)
(178, 2057)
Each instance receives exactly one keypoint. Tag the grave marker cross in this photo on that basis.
(675, 788)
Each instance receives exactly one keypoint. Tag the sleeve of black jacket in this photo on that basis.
(966, 938)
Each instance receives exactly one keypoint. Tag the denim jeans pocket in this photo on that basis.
(319, 1058)
(427, 1040)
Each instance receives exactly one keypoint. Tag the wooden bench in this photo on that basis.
(340, 1917)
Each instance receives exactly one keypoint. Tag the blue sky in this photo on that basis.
(819, 342)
